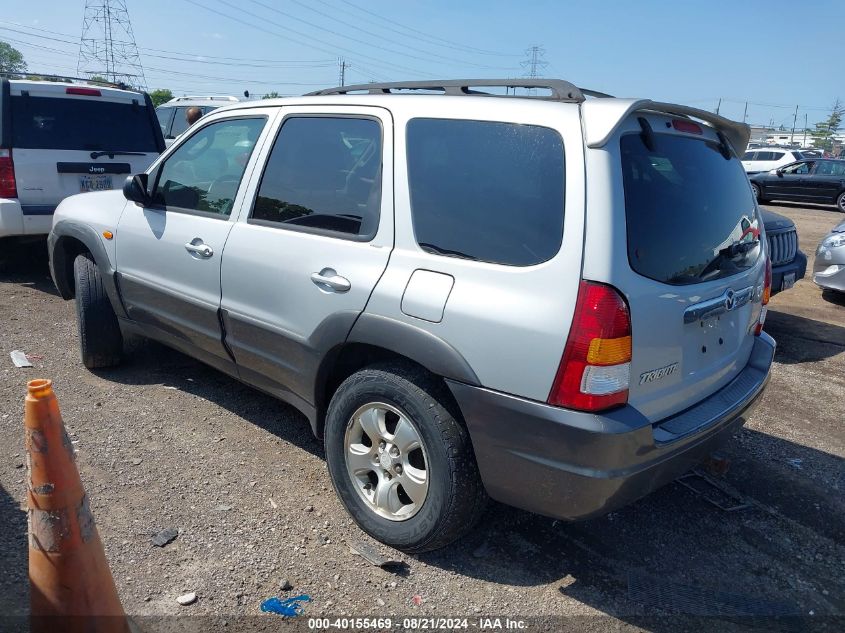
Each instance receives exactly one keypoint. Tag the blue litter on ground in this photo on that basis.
(289, 607)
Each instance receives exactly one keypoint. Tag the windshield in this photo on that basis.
(81, 124)
(687, 208)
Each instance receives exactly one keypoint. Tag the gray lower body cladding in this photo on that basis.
(572, 465)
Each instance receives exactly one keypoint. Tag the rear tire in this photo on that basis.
(100, 339)
(360, 465)
(840, 202)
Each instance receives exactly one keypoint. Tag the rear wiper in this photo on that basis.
(727, 254)
(445, 251)
(112, 154)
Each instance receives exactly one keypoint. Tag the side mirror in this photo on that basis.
(135, 189)
(779, 173)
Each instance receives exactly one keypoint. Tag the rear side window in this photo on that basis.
(323, 176)
(748, 156)
(686, 207)
(487, 191)
(87, 124)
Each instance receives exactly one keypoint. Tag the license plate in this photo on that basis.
(94, 183)
(788, 281)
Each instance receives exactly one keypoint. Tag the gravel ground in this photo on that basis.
(165, 442)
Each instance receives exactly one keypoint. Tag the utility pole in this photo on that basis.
(794, 120)
(745, 112)
(107, 46)
(805, 131)
(342, 66)
(719, 105)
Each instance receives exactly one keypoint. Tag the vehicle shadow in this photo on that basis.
(803, 340)
(803, 205)
(26, 264)
(675, 554)
(14, 556)
(836, 298)
(149, 363)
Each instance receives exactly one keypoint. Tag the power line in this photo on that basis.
(404, 45)
(309, 40)
(305, 63)
(423, 34)
(355, 39)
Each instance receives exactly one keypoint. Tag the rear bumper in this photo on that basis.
(24, 220)
(573, 465)
(798, 267)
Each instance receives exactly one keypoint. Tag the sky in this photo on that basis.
(773, 54)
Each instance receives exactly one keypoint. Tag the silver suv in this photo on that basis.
(552, 300)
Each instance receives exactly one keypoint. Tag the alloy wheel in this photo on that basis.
(386, 461)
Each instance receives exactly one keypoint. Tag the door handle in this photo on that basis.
(198, 247)
(328, 279)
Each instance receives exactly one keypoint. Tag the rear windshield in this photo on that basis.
(81, 124)
(690, 212)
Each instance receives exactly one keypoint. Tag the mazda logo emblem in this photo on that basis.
(729, 300)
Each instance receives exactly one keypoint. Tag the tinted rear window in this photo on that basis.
(486, 191)
(81, 124)
(685, 203)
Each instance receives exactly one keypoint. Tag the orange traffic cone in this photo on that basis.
(71, 586)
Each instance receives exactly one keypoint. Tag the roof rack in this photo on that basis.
(559, 89)
(206, 98)
(37, 76)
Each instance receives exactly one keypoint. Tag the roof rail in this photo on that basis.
(207, 98)
(560, 90)
(36, 76)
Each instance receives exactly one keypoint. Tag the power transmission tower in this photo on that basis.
(535, 63)
(341, 71)
(107, 47)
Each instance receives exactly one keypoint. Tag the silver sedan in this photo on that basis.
(829, 268)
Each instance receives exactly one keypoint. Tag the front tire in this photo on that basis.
(100, 339)
(840, 202)
(400, 461)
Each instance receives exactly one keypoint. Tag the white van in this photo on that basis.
(171, 115)
(58, 139)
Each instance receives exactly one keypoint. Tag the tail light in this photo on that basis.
(595, 369)
(8, 187)
(767, 293)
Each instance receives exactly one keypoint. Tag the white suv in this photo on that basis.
(171, 115)
(765, 159)
(58, 139)
(554, 301)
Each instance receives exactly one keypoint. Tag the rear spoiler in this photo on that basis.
(602, 117)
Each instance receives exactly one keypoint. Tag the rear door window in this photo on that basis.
(687, 207)
(487, 191)
(88, 124)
